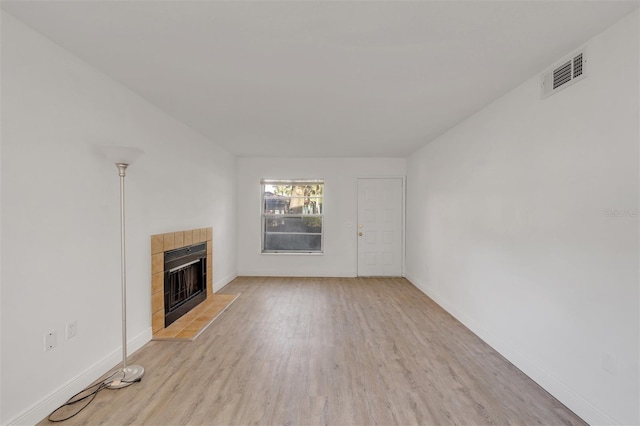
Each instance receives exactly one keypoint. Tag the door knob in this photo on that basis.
(360, 234)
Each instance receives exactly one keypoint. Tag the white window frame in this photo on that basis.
(264, 216)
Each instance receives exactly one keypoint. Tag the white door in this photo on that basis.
(380, 227)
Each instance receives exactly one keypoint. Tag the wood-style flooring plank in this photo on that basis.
(327, 351)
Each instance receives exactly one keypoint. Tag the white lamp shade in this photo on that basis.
(121, 154)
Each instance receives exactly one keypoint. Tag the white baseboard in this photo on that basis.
(322, 273)
(561, 391)
(55, 399)
(139, 341)
(223, 282)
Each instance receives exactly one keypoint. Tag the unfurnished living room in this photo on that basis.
(320, 212)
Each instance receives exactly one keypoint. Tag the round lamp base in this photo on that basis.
(125, 377)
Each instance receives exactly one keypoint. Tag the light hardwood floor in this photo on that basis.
(328, 351)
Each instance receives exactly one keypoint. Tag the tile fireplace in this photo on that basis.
(181, 274)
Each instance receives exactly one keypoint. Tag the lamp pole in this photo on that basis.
(122, 169)
(131, 373)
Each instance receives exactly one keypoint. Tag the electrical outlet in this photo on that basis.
(50, 340)
(72, 329)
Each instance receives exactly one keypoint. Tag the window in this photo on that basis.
(292, 216)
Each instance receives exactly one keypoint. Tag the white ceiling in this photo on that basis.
(320, 79)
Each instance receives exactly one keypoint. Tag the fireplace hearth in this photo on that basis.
(185, 280)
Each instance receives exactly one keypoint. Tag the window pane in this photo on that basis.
(292, 215)
(314, 206)
(284, 242)
(294, 224)
(276, 204)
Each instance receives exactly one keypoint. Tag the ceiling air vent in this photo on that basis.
(571, 70)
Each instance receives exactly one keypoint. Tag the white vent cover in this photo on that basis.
(570, 71)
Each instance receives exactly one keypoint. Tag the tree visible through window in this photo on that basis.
(292, 216)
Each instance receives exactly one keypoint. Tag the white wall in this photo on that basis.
(340, 205)
(508, 229)
(60, 216)
(1, 340)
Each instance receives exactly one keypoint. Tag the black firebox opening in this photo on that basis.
(185, 280)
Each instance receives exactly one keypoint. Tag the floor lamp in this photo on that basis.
(123, 157)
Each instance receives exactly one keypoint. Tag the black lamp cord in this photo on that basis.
(89, 397)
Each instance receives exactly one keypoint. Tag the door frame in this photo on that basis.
(403, 214)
